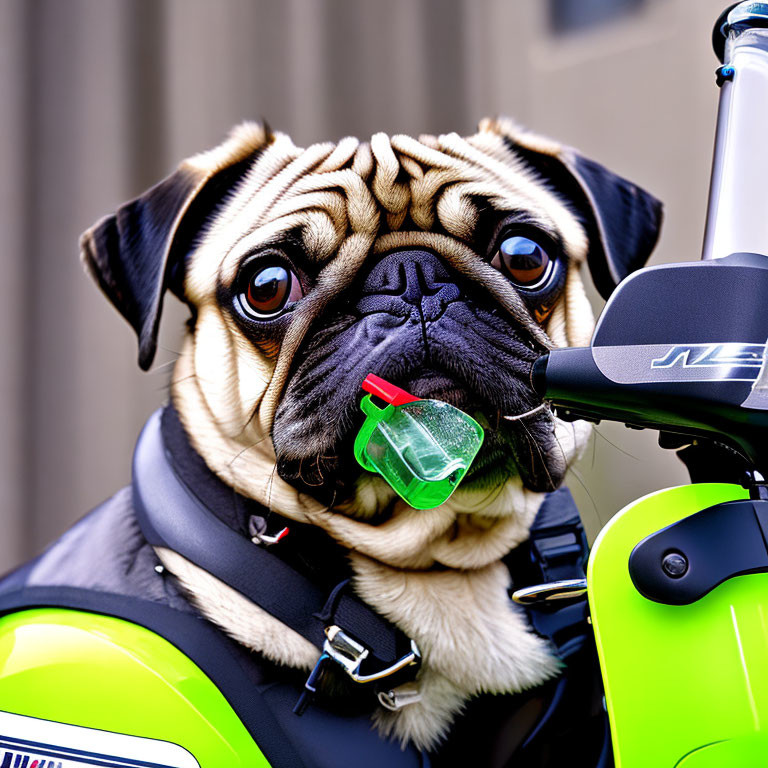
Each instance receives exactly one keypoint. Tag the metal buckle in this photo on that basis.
(350, 654)
(567, 589)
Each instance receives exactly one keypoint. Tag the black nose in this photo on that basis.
(404, 283)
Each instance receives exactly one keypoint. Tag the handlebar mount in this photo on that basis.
(682, 348)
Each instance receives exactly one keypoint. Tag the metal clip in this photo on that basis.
(350, 654)
(257, 527)
(265, 539)
(397, 698)
(567, 589)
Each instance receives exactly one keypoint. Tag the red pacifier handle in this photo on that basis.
(391, 394)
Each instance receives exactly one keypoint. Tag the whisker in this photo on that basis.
(184, 378)
(580, 478)
(490, 498)
(525, 415)
(533, 443)
(618, 448)
(240, 453)
(559, 444)
(270, 485)
(161, 368)
(303, 480)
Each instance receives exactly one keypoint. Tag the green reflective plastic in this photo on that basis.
(104, 673)
(422, 449)
(685, 685)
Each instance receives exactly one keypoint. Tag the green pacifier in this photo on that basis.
(422, 448)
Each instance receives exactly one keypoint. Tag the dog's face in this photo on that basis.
(445, 265)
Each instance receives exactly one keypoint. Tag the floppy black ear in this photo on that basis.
(622, 220)
(138, 252)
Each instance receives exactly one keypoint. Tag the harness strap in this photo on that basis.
(170, 515)
(557, 549)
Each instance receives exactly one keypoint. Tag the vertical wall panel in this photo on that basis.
(311, 107)
(82, 393)
(15, 152)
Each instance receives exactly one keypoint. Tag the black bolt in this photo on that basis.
(674, 564)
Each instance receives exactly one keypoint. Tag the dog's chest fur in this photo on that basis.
(267, 392)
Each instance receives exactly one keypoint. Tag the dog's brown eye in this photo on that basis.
(524, 262)
(269, 290)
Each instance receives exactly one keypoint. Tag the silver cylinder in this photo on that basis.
(737, 215)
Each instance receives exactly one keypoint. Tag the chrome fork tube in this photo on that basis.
(737, 213)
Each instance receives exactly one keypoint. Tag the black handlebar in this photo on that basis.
(679, 348)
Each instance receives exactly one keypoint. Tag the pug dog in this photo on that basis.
(444, 264)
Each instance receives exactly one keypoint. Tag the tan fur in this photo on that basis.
(350, 200)
(470, 634)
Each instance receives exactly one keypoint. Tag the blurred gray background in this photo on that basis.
(101, 98)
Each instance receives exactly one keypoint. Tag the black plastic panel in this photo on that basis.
(718, 543)
(698, 302)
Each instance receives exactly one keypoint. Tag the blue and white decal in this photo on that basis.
(28, 742)
(680, 363)
(738, 361)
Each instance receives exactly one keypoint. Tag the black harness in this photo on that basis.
(371, 650)
(303, 582)
(368, 647)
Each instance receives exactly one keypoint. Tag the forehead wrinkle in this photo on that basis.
(253, 202)
(273, 233)
(457, 211)
(321, 237)
(362, 165)
(393, 195)
(411, 167)
(425, 191)
(511, 174)
(272, 160)
(422, 153)
(493, 145)
(261, 203)
(362, 211)
(344, 180)
(499, 172)
(330, 202)
(268, 164)
(341, 155)
(525, 182)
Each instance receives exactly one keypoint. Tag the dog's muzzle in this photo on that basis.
(415, 321)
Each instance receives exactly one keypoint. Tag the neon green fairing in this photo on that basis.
(685, 685)
(105, 673)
